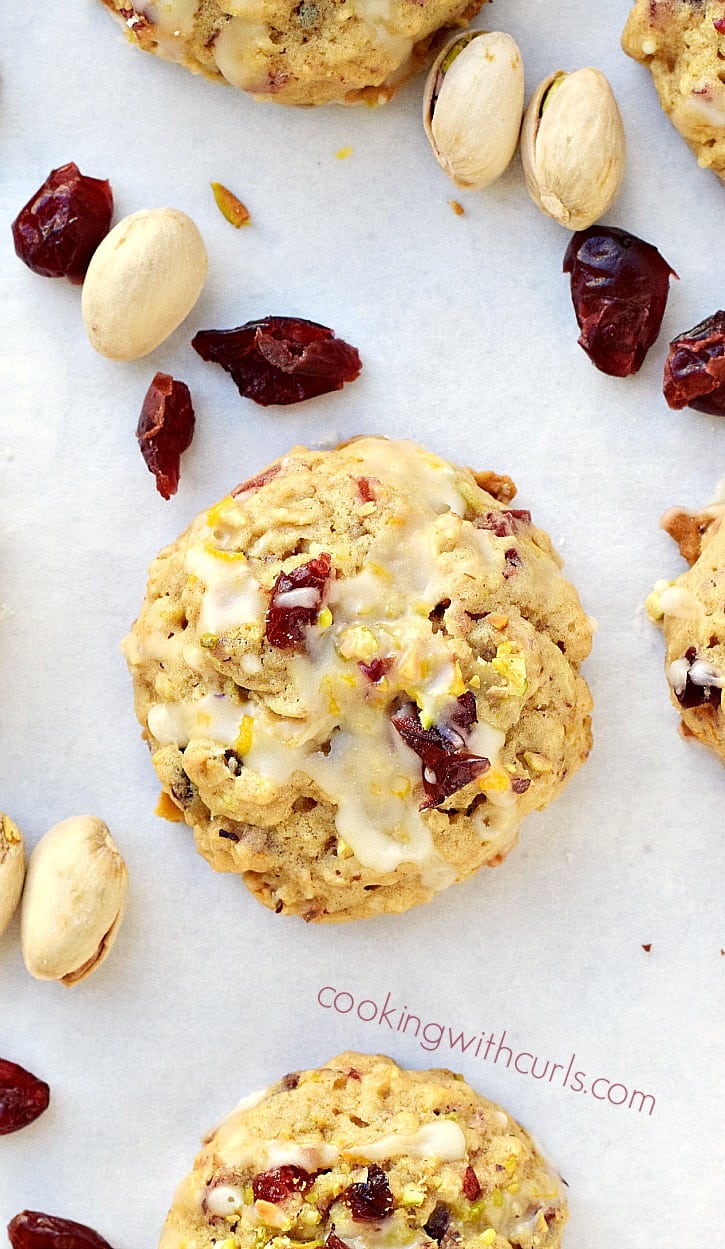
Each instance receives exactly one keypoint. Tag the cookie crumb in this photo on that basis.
(458, 209)
(647, 947)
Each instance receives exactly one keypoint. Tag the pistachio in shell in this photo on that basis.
(573, 147)
(74, 900)
(12, 869)
(472, 106)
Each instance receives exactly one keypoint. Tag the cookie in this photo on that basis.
(362, 1154)
(682, 43)
(357, 673)
(312, 52)
(691, 613)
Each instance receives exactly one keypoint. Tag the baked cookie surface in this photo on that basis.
(313, 52)
(691, 613)
(361, 1154)
(682, 43)
(357, 674)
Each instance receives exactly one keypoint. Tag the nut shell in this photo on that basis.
(472, 106)
(12, 869)
(74, 900)
(143, 280)
(573, 147)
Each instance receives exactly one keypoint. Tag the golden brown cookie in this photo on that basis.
(357, 673)
(308, 52)
(363, 1155)
(691, 613)
(682, 43)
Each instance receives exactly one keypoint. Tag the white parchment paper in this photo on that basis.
(465, 327)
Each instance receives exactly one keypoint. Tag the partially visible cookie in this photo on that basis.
(682, 43)
(691, 612)
(308, 52)
(361, 1154)
(357, 673)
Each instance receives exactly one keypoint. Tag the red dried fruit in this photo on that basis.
(695, 367)
(619, 287)
(281, 360)
(377, 668)
(519, 784)
(366, 489)
(33, 1230)
(504, 523)
(372, 1199)
(23, 1097)
(256, 483)
(334, 1242)
(60, 227)
(279, 1183)
(295, 602)
(471, 1186)
(437, 1224)
(512, 561)
(165, 430)
(447, 767)
(698, 684)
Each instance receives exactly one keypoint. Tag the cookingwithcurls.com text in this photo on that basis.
(433, 1036)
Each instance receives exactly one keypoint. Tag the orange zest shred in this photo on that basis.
(235, 212)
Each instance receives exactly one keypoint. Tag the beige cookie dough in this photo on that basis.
(682, 43)
(334, 773)
(691, 613)
(363, 1155)
(301, 52)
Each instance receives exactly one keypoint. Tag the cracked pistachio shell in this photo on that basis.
(74, 900)
(12, 869)
(572, 147)
(472, 106)
(143, 281)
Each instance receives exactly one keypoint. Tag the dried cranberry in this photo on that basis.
(23, 1097)
(165, 429)
(437, 1224)
(698, 684)
(519, 784)
(465, 714)
(281, 359)
(295, 602)
(372, 1199)
(261, 479)
(446, 766)
(60, 227)
(366, 489)
(512, 561)
(471, 1186)
(695, 367)
(619, 287)
(33, 1230)
(334, 1242)
(279, 1183)
(377, 668)
(505, 522)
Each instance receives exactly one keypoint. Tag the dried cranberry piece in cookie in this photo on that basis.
(23, 1097)
(281, 360)
(446, 767)
(505, 522)
(377, 668)
(695, 682)
(60, 227)
(165, 430)
(471, 1186)
(372, 1199)
(279, 1183)
(33, 1230)
(437, 1224)
(295, 602)
(619, 288)
(695, 367)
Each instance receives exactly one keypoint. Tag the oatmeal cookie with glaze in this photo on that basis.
(361, 1154)
(682, 43)
(357, 673)
(313, 52)
(690, 610)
